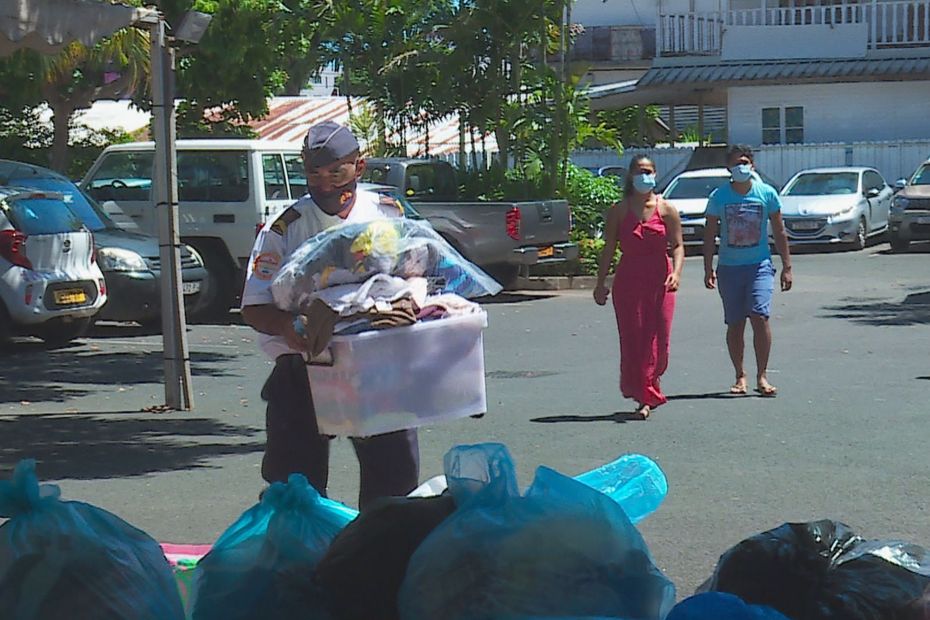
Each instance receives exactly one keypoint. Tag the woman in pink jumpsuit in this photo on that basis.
(645, 226)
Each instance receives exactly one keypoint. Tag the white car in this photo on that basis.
(836, 205)
(688, 192)
(50, 284)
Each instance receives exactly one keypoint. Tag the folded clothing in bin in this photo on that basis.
(62, 559)
(561, 550)
(353, 253)
(401, 378)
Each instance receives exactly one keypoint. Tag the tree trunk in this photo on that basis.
(382, 129)
(60, 156)
(474, 152)
(563, 170)
(346, 83)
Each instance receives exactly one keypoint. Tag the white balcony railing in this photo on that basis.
(899, 24)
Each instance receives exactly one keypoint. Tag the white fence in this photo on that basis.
(894, 160)
(891, 24)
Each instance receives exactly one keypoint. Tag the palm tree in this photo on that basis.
(80, 75)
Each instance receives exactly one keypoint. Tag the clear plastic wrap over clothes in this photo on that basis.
(352, 253)
(562, 549)
(66, 559)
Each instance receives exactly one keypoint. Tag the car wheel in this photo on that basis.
(219, 291)
(897, 243)
(60, 333)
(6, 331)
(862, 236)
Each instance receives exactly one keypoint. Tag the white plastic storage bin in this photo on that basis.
(400, 378)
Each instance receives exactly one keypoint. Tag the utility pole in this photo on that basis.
(178, 393)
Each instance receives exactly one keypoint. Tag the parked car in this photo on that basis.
(910, 212)
(227, 189)
(618, 172)
(393, 195)
(836, 205)
(50, 284)
(130, 261)
(688, 192)
(500, 237)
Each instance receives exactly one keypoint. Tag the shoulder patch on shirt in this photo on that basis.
(284, 220)
(266, 265)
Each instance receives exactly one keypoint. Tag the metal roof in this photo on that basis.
(782, 71)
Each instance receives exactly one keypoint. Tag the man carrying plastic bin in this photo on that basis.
(389, 463)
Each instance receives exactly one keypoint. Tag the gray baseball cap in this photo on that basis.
(327, 142)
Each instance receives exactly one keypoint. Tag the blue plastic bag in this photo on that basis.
(72, 560)
(721, 606)
(561, 550)
(634, 481)
(261, 566)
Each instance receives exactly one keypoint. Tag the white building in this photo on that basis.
(791, 71)
(325, 83)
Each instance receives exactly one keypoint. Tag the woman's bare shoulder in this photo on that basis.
(667, 209)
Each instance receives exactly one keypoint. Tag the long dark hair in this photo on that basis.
(634, 165)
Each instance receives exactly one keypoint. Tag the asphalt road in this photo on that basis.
(846, 438)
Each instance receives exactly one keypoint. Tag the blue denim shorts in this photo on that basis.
(745, 290)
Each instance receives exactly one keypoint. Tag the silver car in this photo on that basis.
(845, 205)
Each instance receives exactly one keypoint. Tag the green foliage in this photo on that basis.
(626, 123)
(590, 197)
(25, 137)
(589, 252)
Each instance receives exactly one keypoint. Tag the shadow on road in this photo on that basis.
(85, 447)
(111, 329)
(707, 396)
(513, 297)
(36, 374)
(618, 417)
(914, 310)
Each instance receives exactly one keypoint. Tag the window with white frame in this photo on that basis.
(783, 125)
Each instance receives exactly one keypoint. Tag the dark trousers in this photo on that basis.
(389, 464)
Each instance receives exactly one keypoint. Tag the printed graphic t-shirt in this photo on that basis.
(744, 222)
(279, 238)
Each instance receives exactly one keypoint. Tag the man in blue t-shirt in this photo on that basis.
(745, 277)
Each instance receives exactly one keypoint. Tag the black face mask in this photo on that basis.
(336, 200)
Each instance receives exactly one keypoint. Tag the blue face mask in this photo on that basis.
(741, 172)
(644, 183)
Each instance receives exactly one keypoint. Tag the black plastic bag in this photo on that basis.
(824, 571)
(365, 565)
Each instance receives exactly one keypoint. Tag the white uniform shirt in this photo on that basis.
(275, 243)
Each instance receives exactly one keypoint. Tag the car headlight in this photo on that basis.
(900, 203)
(838, 214)
(118, 259)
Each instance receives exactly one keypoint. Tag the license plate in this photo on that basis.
(546, 252)
(924, 219)
(189, 288)
(70, 297)
(688, 230)
(806, 225)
